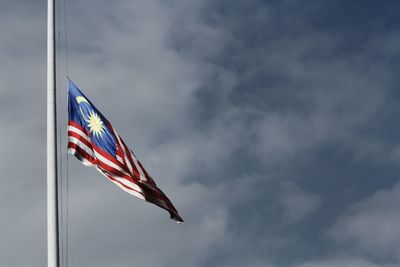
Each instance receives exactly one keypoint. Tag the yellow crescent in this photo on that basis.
(80, 99)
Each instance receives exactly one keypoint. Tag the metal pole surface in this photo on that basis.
(52, 194)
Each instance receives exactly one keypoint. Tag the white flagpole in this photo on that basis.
(52, 194)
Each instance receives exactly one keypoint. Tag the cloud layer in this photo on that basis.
(271, 125)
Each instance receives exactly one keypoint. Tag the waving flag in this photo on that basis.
(93, 140)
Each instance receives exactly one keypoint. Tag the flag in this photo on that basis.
(94, 141)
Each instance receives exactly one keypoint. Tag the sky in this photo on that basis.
(271, 125)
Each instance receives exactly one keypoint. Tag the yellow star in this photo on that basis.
(96, 126)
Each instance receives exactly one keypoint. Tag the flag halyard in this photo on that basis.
(94, 141)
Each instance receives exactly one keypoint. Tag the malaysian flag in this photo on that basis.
(93, 140)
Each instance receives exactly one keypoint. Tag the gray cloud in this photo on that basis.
(345, 262)
(370, 225)
(297, 203)
(270, 125)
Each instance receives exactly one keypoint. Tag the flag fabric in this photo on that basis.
(94, 141)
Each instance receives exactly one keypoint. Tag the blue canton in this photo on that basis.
(84, 113)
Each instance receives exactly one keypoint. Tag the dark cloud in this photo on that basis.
(272, 126)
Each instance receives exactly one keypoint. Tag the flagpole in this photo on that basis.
(52, 194)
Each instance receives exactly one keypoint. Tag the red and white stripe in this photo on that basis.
(125, 170)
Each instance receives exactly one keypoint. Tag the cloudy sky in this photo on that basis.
(273, 126)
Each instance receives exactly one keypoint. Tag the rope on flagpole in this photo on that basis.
(59, 137)
(63, 184)
(64, 8)
(66, 37)
(60, 125)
